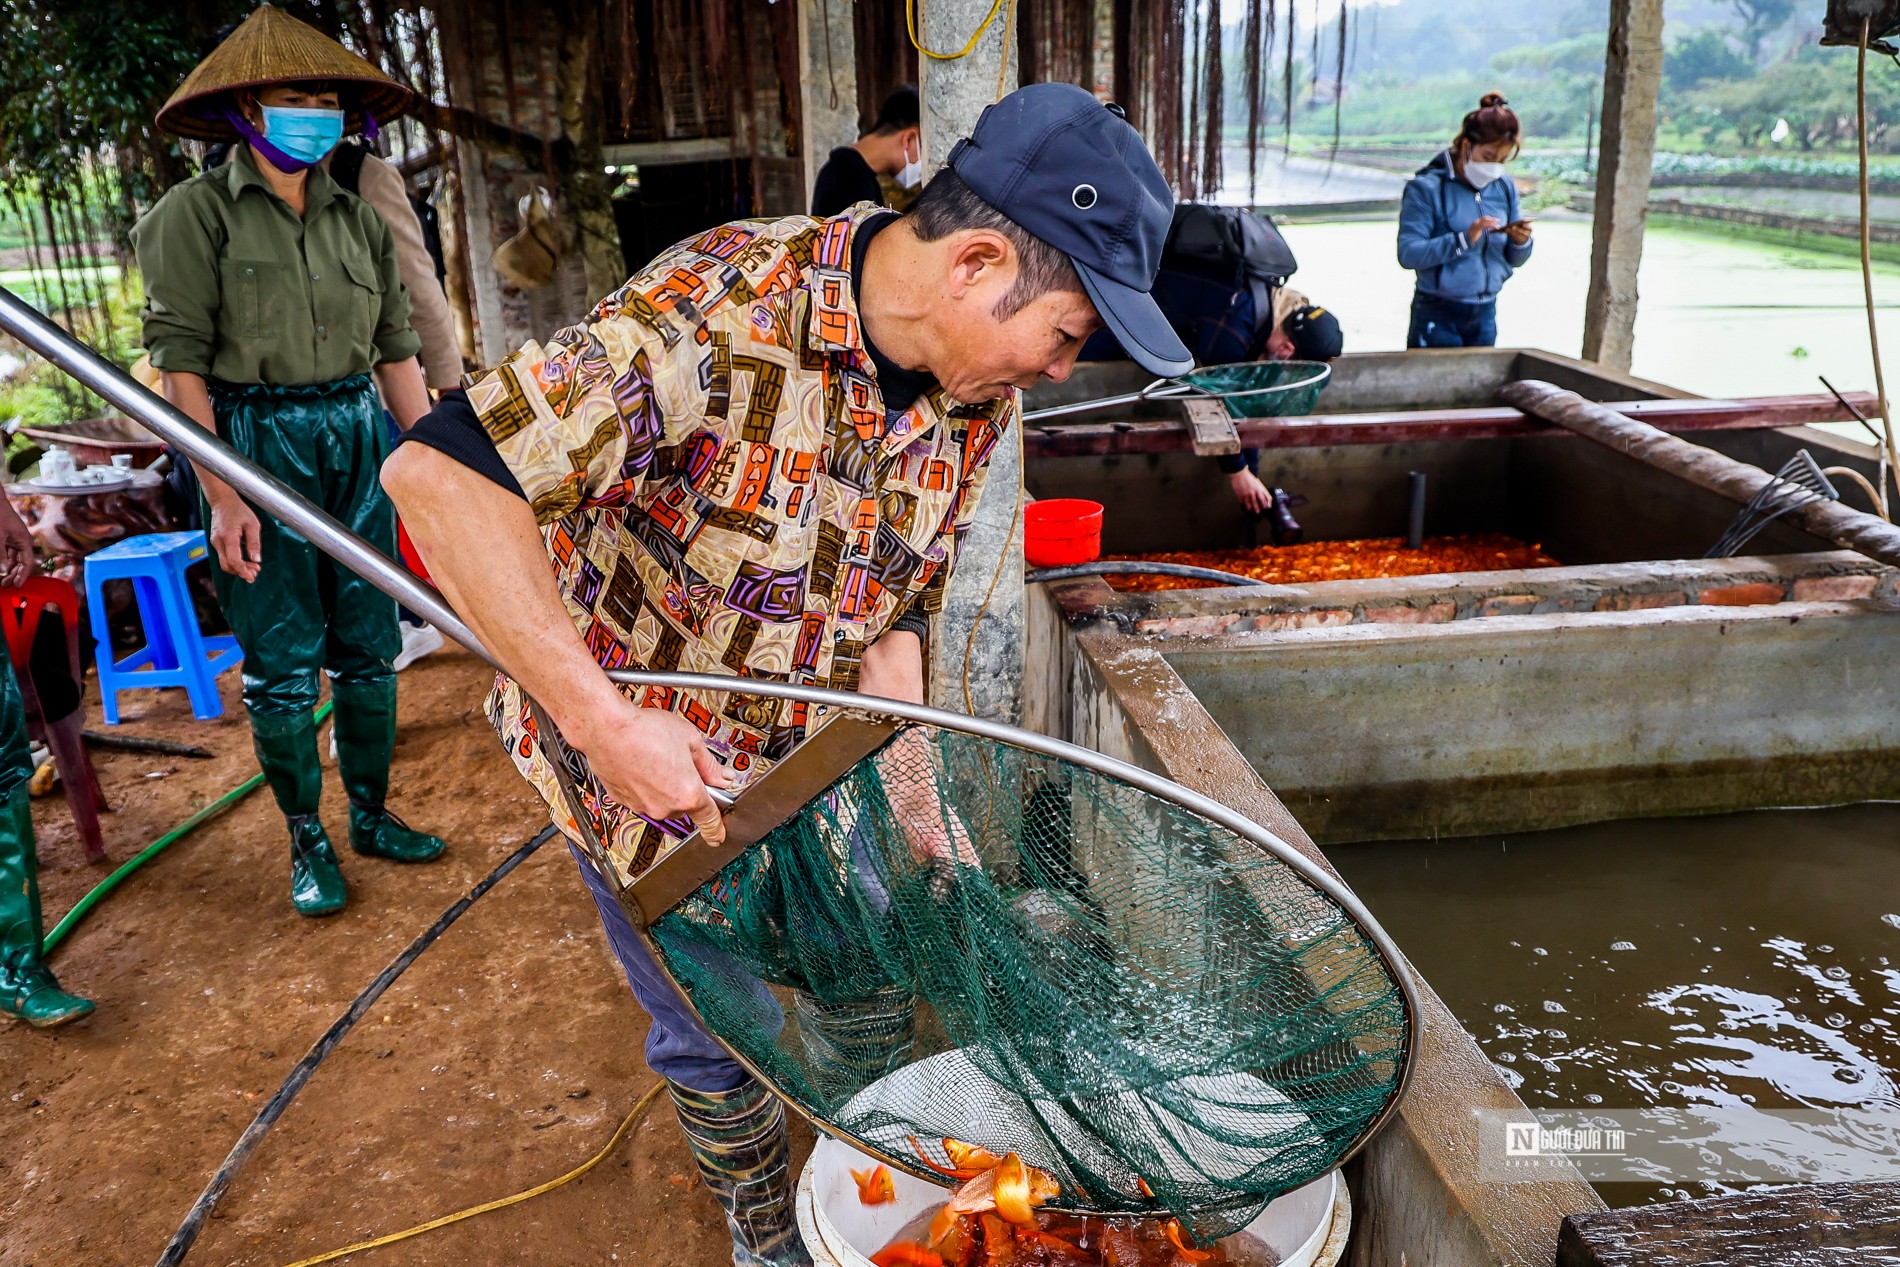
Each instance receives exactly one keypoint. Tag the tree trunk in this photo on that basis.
(585, 183)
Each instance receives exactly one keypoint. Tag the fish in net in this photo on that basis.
(963, 938)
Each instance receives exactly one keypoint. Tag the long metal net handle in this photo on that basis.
(1173, 389)
(39, 333)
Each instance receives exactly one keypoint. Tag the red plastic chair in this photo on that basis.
(20, 612)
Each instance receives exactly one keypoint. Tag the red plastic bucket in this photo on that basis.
(1062, 530)
(407, 549)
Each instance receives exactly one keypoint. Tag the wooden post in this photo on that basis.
(588, 191)
(827, 82)
(1632, 76)
(976, 645)
(491, 332)
(1102, 51)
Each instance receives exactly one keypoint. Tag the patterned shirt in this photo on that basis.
(721, 491)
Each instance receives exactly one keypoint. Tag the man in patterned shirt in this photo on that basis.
(757, 458)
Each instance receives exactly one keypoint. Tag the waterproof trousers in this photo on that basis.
(305, 612)
(28, 991)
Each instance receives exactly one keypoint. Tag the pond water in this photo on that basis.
(1834, 204)
(1743, 966)
(1718, 316)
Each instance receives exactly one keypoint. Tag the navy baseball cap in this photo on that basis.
(1073, 172)
(1315, 333)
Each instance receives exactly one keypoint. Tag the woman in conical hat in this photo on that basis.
(274, 312)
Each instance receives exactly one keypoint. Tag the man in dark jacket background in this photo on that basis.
(893, 147)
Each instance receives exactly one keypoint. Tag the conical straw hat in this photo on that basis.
(272, 47)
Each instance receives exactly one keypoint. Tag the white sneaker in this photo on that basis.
(417, 641)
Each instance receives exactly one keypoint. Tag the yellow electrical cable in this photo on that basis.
(639, 1109)
(910, 22)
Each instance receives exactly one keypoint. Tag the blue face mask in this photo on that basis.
(304, 135)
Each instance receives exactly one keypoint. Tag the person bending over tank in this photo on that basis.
(758, 458)
(1222, 285)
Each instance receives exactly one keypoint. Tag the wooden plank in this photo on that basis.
(1103, 439)
(1210, 427)
(1717, 472)
(1836, 1224)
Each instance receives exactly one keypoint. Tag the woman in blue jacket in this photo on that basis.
(1461, 230)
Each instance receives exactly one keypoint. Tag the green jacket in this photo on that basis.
(238, 288)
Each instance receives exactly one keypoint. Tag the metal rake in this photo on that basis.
(1799, 482)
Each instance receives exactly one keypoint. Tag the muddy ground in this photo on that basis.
(505, 1057)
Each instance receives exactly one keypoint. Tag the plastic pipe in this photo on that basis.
(151, 851)
(1415, 510)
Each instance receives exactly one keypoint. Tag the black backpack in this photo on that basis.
(346, 169)
(1231, 246)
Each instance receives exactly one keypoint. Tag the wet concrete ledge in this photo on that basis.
(1418, 1197)
(1825, 576)
(1519, 723)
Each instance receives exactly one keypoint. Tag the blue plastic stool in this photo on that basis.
(175, 652)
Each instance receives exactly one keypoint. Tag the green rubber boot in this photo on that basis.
(738, 1141)
(286, 746)
(365, 739)
(28, 991)
(316, 880)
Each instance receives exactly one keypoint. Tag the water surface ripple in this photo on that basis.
(1740, 967)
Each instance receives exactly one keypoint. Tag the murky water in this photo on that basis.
(1299, 181)
(1747, 964)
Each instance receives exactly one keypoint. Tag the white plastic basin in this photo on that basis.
(1306, 1228)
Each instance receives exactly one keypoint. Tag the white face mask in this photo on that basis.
(1481, 174)
(911, 174)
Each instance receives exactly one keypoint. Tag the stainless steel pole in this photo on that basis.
(40, 333)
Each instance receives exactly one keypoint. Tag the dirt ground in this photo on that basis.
(505, 1056)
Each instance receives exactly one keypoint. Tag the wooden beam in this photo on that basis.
(1837, 1224)
(1705, 468)
(1632, 77)
(1105, 439)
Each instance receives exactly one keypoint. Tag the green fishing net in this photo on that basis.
(962, 938)
(1264, 389)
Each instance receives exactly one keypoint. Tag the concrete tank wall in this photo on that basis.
(1507, 723)
(1583, 503)
(1422, 1193)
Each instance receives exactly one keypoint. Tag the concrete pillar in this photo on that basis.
(953, 93)
(990, 567)
(1632, 75)
(827, 83)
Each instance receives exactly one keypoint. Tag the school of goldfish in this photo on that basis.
(1346, 560)
(992, 1219)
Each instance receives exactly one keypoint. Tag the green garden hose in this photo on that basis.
(145, 855)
